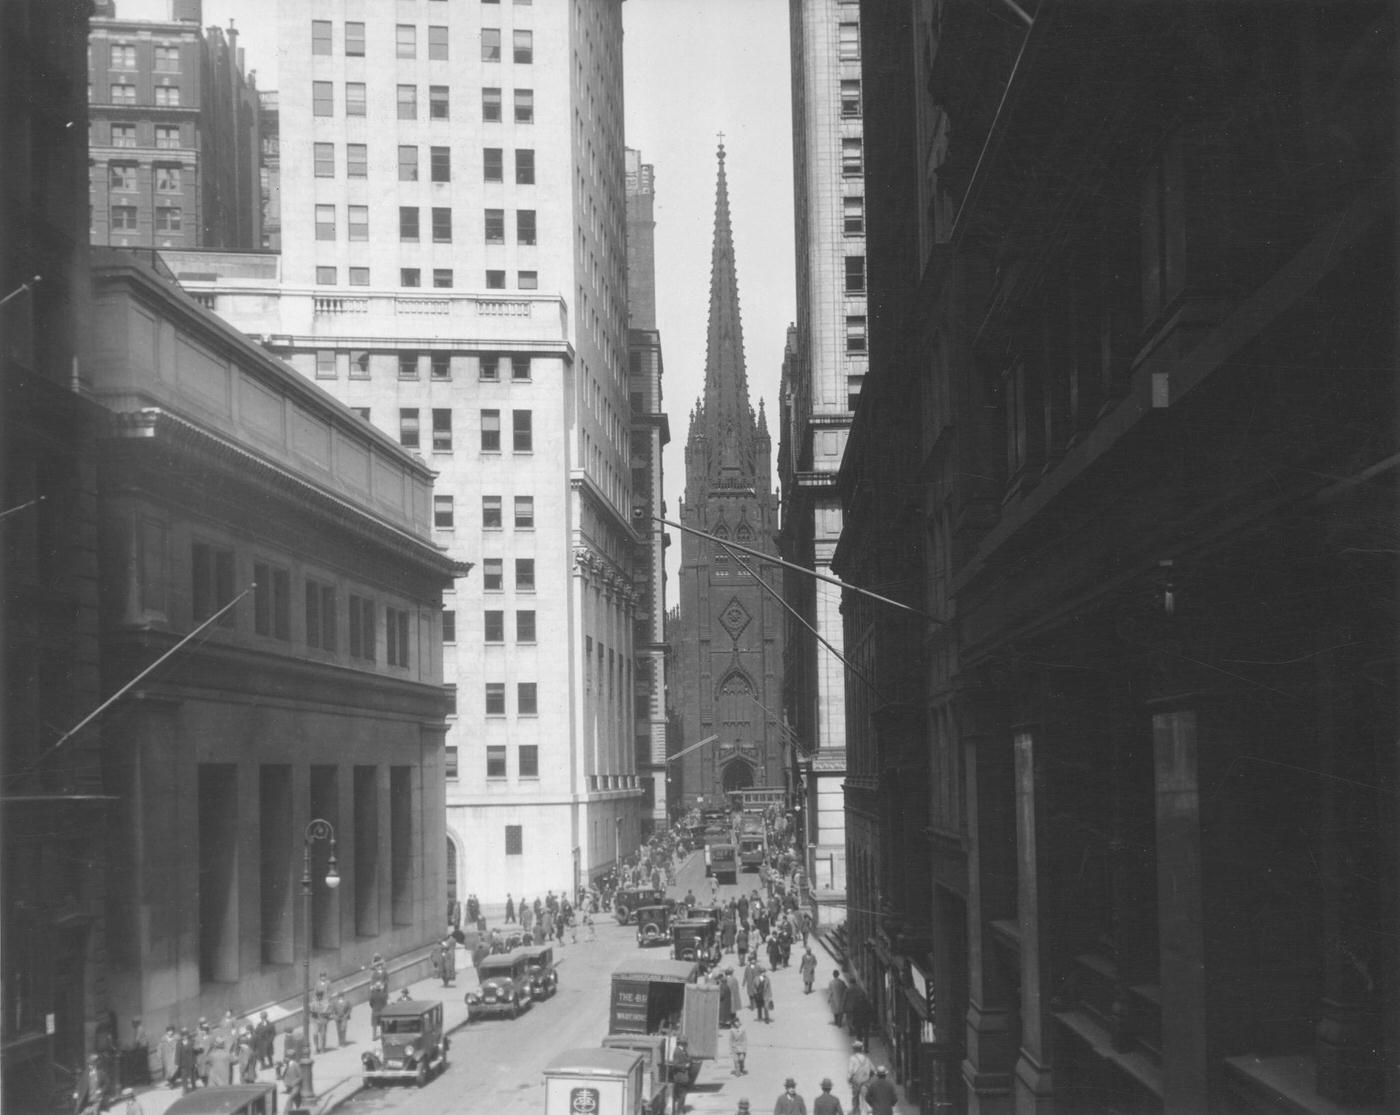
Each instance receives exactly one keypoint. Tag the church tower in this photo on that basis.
(730, 645)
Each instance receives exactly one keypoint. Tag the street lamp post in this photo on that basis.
(316, 830)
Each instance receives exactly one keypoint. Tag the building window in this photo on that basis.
(525, 574)
(492, 165)
(355, 40)
(408, 223)
(490, 431)
(494, 626)
(524, 46)
(450, 692)
(355, 98)
(211, 581)
(320, 36)
(496, 763)
(449, 626)
(523, 437)
(495, 226)
(490, 367)
(437, 102)
(359, 276)
(409, 277)
(168, 96)
(441, 362)
(362, 640)
(408, 163)
(495, 280)
(442, 430)
(450, 766)
(525, 166)
(123, 94)
(408, 102)
(525, 627)
(325, 222)
(515, 845)
(529, 760)
(356, 160)
(325, 276)
(322, 98)
(167, 59)
(524, 226)
(850, 98)
(490, 44)
(123, 135)
(396, 637)
(323, 159)
(848, 42)
(124, 218)
(855, 333)
(359, 358)
(855, 274)
(121, 177)
(325, 357)
(408, 421)
(442, 280)
(167, 138)
(167, 179)
(490, 105)
(519, 367)
(853, 215)
(363, 412)
(357, 221)
(852, 158)
(441, 161)
(123, 57)
(524, 106)
(528, 280)
(321, 616)
(496, 700)
(524, 512)
(272, 601)
(491, 513)
(408, 366)
(444, 513)
(405, 41)
(437, 43)
(169, 218)
(492, 574)
(442, 225)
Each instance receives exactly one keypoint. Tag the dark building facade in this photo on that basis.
(53, 808)
(729, 643)
(174, 140)
(1130, 427)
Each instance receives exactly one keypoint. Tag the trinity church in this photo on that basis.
(729, 648)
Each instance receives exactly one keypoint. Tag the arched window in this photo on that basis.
(743, 534)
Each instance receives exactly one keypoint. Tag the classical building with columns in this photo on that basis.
(1122, 809)
(729, 645)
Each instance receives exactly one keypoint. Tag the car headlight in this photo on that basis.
(410, 1052)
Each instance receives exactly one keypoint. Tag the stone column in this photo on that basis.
(1034, 1083)
(991, 826)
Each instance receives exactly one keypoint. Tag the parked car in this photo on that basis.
(411, 1043)
(505, 986)
(652, 922)
(235, 1099)
(544, 976)
(627, 900)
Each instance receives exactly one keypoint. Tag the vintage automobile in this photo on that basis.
(692, 938)
(235, 1099)
(627, 900)
(544, 977)
(651, 925)
(505, 986)
(411, 1043)
(721, 862)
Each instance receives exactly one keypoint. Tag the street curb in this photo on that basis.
(352, 1085)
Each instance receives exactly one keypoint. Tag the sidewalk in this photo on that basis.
(336, 1072)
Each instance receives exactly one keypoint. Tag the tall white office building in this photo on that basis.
(454, 267)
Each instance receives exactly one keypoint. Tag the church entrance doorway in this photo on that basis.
(738, 775)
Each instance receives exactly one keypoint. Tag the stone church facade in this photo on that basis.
(729, 648)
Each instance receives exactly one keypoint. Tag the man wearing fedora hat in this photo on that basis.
(743, 1107)
(826, 1103)
(880, 1095)
(790, 1103)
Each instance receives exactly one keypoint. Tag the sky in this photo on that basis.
(692, 69)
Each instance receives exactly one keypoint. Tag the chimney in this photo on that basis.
(105, 9)
(187, 11)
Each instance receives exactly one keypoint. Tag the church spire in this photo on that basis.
(727, 415)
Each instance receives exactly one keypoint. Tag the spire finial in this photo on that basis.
(721, 147)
